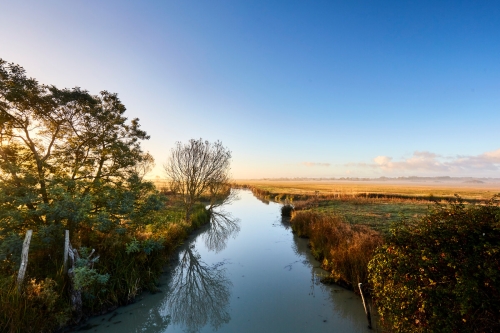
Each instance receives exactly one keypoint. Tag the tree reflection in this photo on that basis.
(222, 226)
(199, 294)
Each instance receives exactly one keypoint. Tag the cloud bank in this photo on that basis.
(427, 162)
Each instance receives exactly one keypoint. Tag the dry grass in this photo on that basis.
(343, 248)
(350, 188)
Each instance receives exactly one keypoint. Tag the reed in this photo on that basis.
(343, 249)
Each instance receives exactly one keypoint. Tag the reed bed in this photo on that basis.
(343, 249)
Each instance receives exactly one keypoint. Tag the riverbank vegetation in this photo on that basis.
(441, 273)
(431, 266)
(344, 249)
(129, 263)
(81, 232)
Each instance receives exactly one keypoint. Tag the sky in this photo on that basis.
(292, 88)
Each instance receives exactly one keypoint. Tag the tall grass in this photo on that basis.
(343, 249)
(37, 307)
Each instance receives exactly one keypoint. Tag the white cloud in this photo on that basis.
(314, 164)
(428, 162)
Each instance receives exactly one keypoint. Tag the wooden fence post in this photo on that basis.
(24, 259)
(367, 311)
(75, 293)
(66, 250)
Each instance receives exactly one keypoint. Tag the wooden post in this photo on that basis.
(24, 259)
(66, 250)
(75, 294)
(367, 311)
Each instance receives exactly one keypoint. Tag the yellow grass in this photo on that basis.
(325, 188)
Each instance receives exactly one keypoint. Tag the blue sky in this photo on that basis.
(292, 88)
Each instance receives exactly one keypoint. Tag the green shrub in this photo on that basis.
(441, 273)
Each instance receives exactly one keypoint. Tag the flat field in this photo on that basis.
(481, 191)
(343, 197)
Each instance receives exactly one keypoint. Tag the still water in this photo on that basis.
(246, 272)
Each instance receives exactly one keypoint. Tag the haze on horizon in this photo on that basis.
(293, 89)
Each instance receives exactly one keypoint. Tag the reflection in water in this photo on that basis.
(222, 226)
(285, 222)
(199, 293)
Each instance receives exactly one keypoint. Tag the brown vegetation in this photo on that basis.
(343, 249)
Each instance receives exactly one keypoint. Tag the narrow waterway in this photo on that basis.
(246, 272)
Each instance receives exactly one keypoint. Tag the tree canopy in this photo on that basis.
(68, 159)
(198, 167)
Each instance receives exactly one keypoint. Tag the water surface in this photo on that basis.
(246, 272)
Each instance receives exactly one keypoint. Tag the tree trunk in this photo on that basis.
(66, 250)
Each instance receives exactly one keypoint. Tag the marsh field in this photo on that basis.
(373, 203)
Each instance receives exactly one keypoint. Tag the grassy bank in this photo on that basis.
(129, 262)
(343, 249)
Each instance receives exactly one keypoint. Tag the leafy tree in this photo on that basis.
(196, 168)
(442, 272)
(68, 160)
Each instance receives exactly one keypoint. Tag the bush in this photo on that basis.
(442, 272)
(286, 210)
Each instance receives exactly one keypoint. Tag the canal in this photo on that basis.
(245, 272)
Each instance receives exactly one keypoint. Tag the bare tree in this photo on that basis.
(196, 168)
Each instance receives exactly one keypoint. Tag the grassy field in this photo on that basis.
(377, 214)
(480, 191)
(374, 204)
